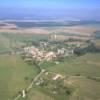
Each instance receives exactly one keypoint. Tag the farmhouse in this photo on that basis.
(57, 76)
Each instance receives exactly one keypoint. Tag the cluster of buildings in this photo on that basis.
(48, 75)
(42, 55)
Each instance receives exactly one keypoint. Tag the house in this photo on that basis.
(61, 51)
(50, 56)
(57, 77)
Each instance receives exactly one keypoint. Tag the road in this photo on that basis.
(31, 84)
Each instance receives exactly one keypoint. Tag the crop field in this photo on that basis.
(47, 27)
(82, 30)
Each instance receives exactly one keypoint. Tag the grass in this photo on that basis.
(17, 37)
(9, 41)
(45, 65)
(14, 71)
(16, 75)
(4, 44)
(86, 89)
(79, 65)
(37, 95)
(13, 74)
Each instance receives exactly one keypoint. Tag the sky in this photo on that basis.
(69, 8)
(51, 3)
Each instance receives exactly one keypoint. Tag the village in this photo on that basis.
(50, 60)
(51, 50)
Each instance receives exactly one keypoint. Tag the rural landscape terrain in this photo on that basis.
(49, 60)
(49, 49)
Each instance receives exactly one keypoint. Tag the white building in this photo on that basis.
(57, 77)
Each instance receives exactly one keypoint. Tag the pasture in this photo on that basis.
(15, 75)
(86, 65)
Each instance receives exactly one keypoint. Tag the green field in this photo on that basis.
(85, 89)
(13, 74)
(14, 71)
(16, 75)
(4, 44)
(8, 41)
(86, 65)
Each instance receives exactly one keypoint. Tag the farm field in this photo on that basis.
(48, 27)
(50, 50)
(82, 72)
(82, 30)
(77, 76)
(86, 65)
(78, 70)
(14, 76)
(8, 41)
(14, 71)
(86, 89)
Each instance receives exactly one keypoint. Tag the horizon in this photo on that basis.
(80, 9)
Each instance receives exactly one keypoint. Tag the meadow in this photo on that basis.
(9, 41)
(86, 65)
(15, 75)
(77, 71)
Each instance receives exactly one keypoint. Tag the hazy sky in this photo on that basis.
(56, 7)
(51, 3)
